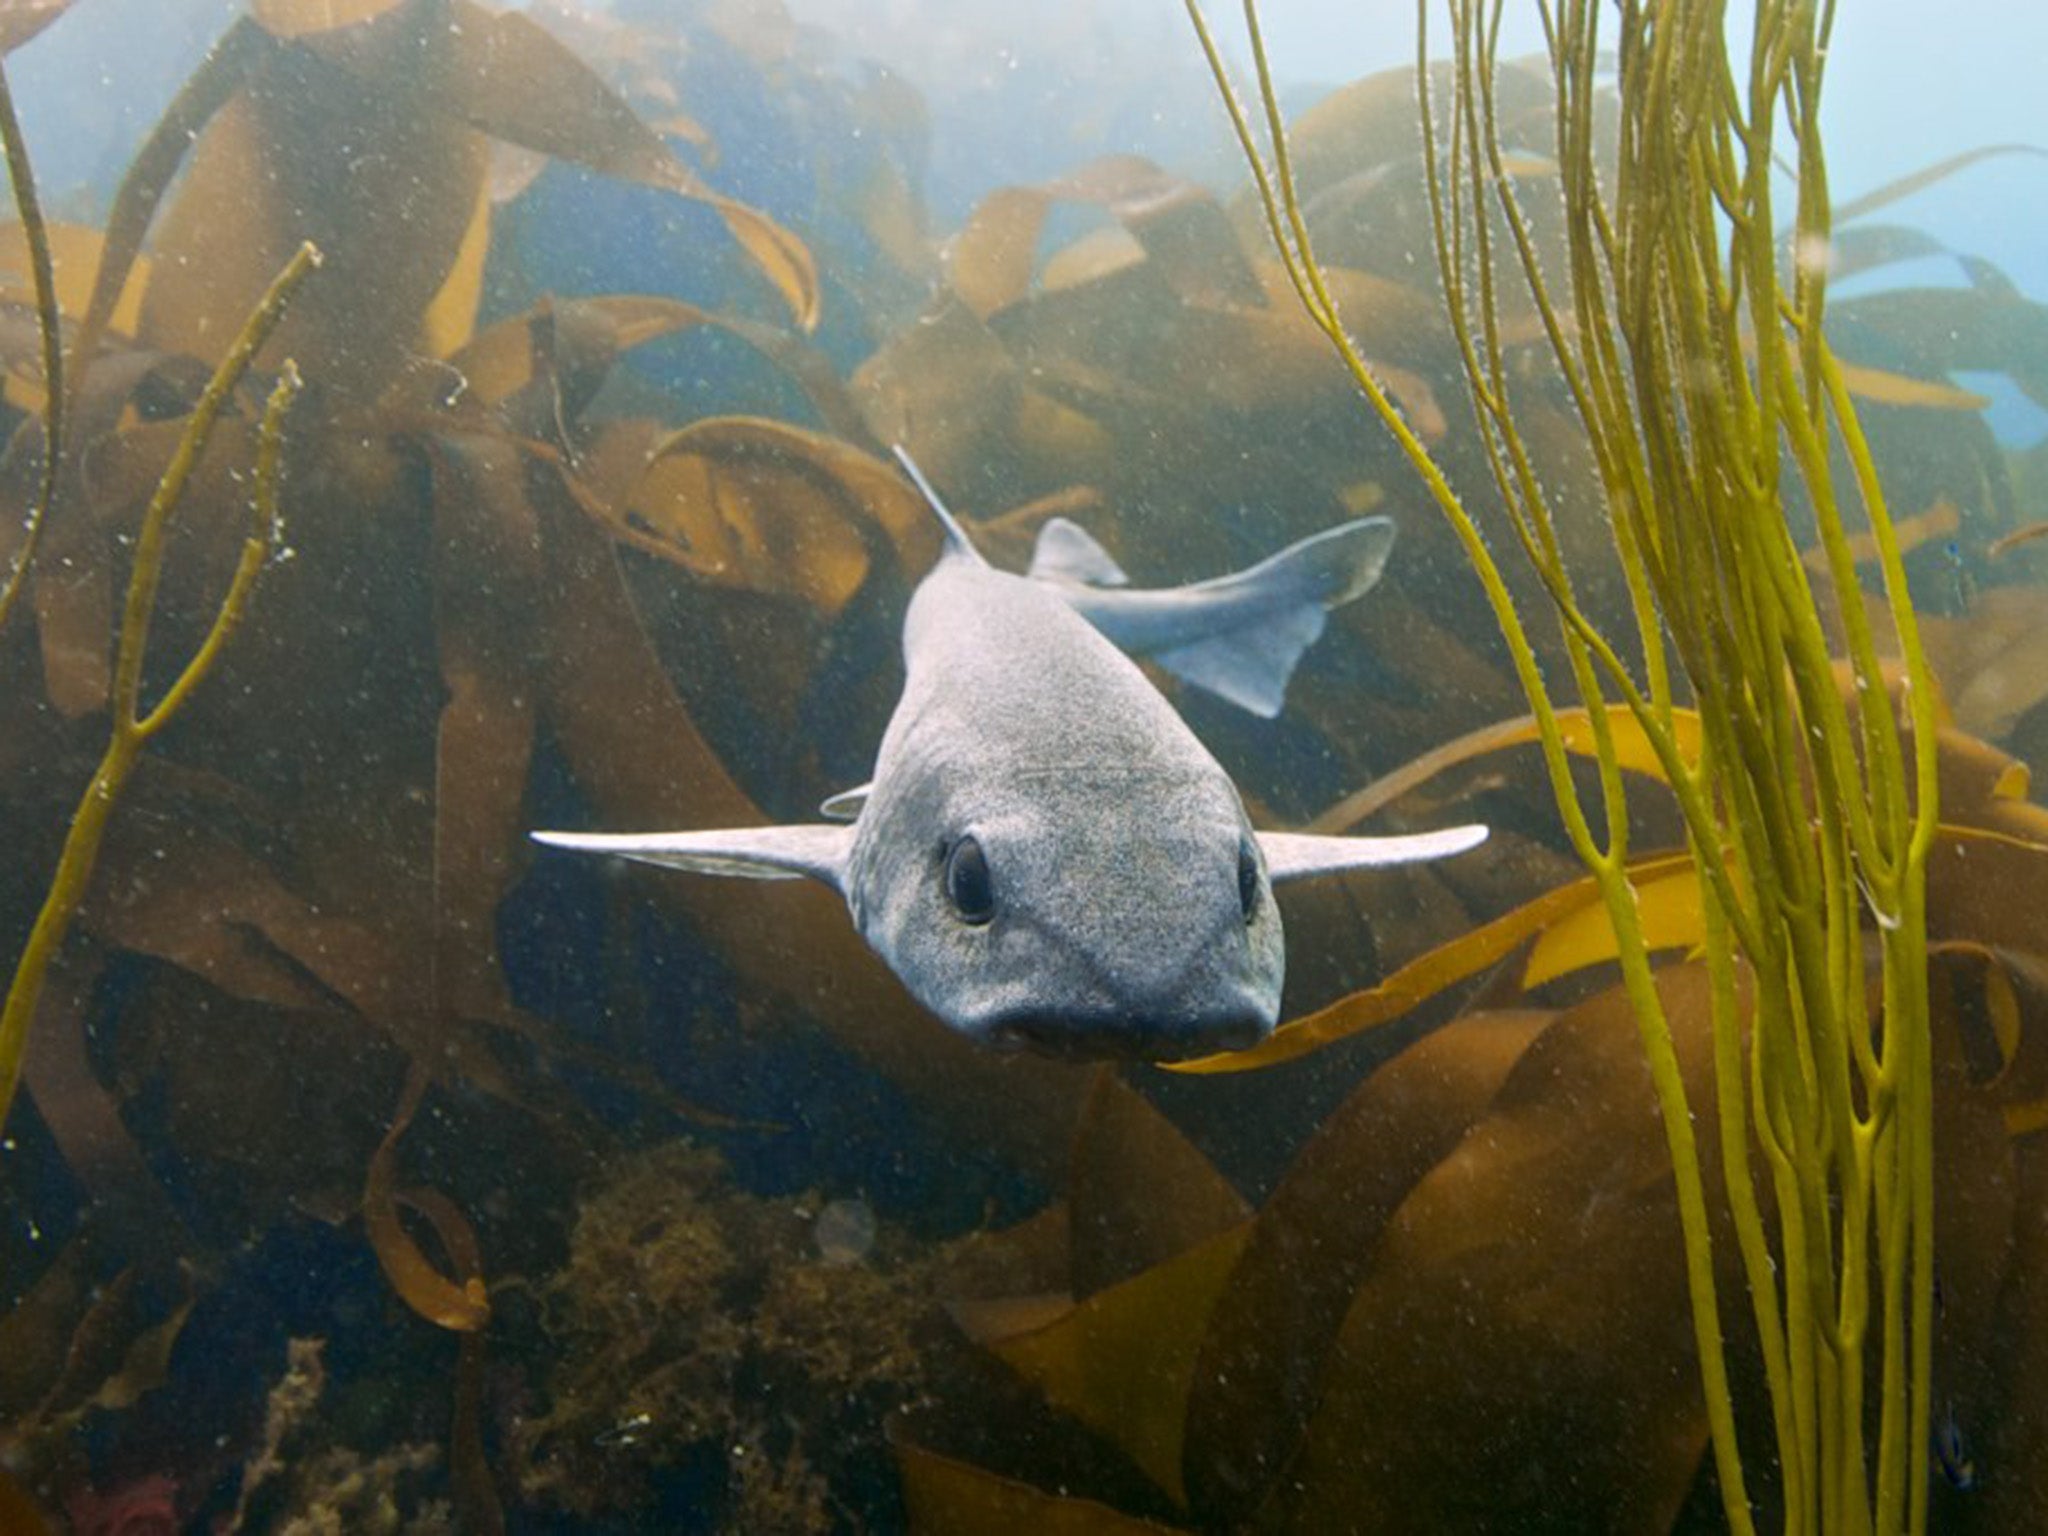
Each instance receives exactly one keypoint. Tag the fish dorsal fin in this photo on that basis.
(846, 805)
(1303, 855)
(957, 542)
(1249, 666)
(1068, 552)
(755, 853)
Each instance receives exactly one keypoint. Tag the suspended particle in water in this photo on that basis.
(845, 1231)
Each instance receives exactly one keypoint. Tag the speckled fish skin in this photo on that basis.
(1112, 838)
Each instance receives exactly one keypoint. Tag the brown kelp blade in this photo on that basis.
(307, 18)
(1260, 1369)
(1122, 1361)
(458, 1302)
(754, 504)
(1176, 224)
(1524, 1305)
(21, 20)
(1140, 1192)
(510, 78)
(951, 1498)
(1905, 186)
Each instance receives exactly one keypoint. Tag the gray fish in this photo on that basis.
(1047, 857)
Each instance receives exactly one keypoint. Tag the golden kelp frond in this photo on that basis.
(453, 1297)
(106, 1346)
(513, 80)
(21, 20)
(1259, 1371)
(1883, 387)
(370, 136)
(1460, 960)
(75, 251)
(1633, 750)
(1474, 1249)
(1123, 1360)
(1901, 187)
(537, 372)
(1140, 1192)
(1993, 661)
(309, 18)
(1177, 225)
(1986, 327)
(769, 508)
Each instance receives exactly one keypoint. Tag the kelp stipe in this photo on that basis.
(132, 725)
(1691, 355)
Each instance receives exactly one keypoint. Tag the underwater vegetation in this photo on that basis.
(1677, 1160)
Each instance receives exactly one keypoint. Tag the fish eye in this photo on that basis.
(1248, 880)
(967, 882)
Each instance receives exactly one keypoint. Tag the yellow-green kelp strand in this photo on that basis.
(1688, 333)
(133, 726)
(43, 279)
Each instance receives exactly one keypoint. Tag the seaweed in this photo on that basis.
(700, 1327)
(329, 1053)
(133, 725)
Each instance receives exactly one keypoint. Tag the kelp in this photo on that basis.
(1648, 316)
(530, 581)
(133, 725)
(420, 86)
(308, 911)
(43, 282)
(1473, 1256)
(1195, 410)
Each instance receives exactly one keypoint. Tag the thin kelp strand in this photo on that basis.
(1918, 1117)
(50, 331)
(1579, 629)
(1695, 369)
(1255, 159)
(1878, 774)
(1486, 152)
(170, 489)
(1283, 169)
(1920, 687)
(129, 731)
(1653, 1027)
(260, 543)
(1731, 1109)
(1475, 158)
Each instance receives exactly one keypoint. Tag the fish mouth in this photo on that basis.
(1123, 1036)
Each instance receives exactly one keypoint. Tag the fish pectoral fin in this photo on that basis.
(846, 805)
(1068, 552)
(1251, 665)
(1302, 855)
(756, 853)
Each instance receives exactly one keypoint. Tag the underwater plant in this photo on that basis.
(1690, 332)
(133, 726)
